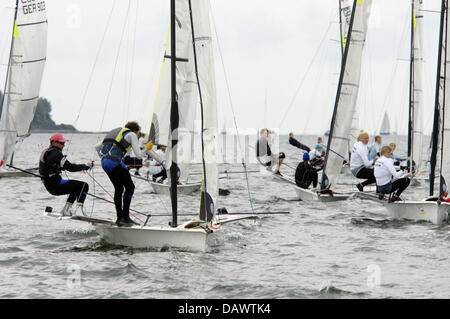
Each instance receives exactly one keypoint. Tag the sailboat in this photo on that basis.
(190, 29)
(385, 125)
(355, 15)
(434, 209)
(23, 80)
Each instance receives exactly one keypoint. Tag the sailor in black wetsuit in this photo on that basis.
(264, 154)
(112, 150)
(297, 144)
(305, 174)
(51, 163)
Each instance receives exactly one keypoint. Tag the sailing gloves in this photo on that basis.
(149, 146)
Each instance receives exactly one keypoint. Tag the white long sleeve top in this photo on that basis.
(360, 156)
(384, 171)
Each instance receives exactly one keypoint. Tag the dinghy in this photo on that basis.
(354, 18)
(23, 80)
(435, 211)
(190, 39)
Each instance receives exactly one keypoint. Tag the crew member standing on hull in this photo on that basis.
(112, 150)
(51, 163)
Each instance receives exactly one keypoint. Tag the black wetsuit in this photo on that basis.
(297, 144)
(51, 163)
(305, 174)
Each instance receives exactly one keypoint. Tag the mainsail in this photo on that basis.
(415, 131)
(356, 15)
(203, 55)
(187, 94)
(24, 74)
(385, 125)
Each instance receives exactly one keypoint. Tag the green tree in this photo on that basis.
(42, 119)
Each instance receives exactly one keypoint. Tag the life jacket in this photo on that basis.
(114, 144)
(49, 170)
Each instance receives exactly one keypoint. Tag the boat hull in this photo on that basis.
(194, 239)
(164, 189)
(308, 195)
(429, 211)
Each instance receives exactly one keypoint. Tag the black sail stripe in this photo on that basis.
(30, 99)
(34, 61)
(33, 23)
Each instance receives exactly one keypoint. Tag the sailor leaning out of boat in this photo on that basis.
(384, 172)
(360, 165)
(51, 163)
(114, 147)
(264, 154)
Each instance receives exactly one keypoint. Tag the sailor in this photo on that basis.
(156, 169)
(264, 154)
(133, 162)
(360, 165)
(384, 171)
(112, 150)
(375, 148)
(51, 163)
(316, 153)
(297, 144)
(305, 174)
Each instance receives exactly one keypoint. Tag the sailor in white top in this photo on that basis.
(360, 163)
(384, 172)
(317, 152)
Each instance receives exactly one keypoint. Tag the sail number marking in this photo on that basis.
(32, 6)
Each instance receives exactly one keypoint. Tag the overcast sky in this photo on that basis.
(268, 48)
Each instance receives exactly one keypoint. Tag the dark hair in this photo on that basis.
(133, 126)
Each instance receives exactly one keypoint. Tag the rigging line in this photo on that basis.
(115, 65)
(231, 104)
(306, 73)
(83, 100)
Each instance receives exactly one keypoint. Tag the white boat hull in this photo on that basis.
(164, 189)
(429, 211)
(154, 237)
(309, 195)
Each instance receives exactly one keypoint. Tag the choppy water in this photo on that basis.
(346, 249)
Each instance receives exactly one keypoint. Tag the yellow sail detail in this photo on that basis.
(16, 32)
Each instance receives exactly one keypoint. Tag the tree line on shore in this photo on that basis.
(42, 118)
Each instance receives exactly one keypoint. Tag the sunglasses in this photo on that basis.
(62, 143)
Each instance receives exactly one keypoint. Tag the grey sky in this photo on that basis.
(267, 47)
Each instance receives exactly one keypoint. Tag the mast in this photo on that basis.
(436, 128)
(324, 182)
(411, 91)
(174, 118)
(341, 35)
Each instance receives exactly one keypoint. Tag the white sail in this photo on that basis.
(206, 73)
(417, 132)
(346, 101)
(354, 129)
(385, 125)
(160, 125)
(187, 110)
(24, 75)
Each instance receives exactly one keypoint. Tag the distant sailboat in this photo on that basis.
(23, 80)
(385, 125)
